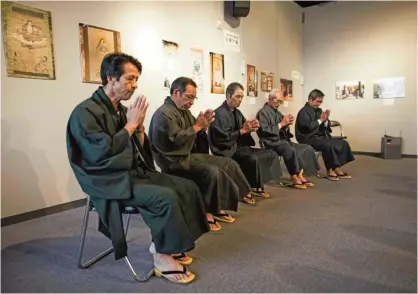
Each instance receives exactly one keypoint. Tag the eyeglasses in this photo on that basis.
(190, 97)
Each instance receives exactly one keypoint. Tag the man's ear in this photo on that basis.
(110, 80)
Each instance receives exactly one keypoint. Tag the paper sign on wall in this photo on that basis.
(388, 102)
(252, 100)
(295, 75)
(285, 104)
(232, 41)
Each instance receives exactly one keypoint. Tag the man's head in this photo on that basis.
(234, 95)
(183, 92)
(315, 98)
(275, 98)
(119, 73)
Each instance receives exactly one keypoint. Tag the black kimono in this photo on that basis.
(179, 150)
(259, 165)
(335, 151)
(116, 170)
(271, 136)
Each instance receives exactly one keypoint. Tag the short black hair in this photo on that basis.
(232, 87)
(112, 65)
(180, 84)
(315, 93)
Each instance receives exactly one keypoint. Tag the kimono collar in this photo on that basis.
(224, 104)
(170, 101)
(100, 96)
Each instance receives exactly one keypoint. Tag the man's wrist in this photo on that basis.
(197, 128)
(130, 128)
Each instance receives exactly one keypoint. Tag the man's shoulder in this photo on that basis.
(87, 106)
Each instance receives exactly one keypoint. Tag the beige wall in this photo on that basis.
(364, 41)
(35, 169)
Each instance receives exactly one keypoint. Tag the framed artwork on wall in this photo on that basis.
(286, 87)
(267, 81)
(217, 73)
(171, 67)
(349, 90)
(95, 43)
(196, 66)
(389, 88)
(251, 81)
(28, 42)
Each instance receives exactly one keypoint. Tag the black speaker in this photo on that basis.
(237, 8)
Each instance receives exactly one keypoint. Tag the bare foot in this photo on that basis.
(295, 180)
(212, 225)
(164, 263)
(249, 199)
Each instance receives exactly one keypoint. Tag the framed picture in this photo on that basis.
(388, 88)
(251, 81)
(286, 87)
(217, 75)
(171, 59)
(196, 67)
(267, 81)
(28, 42)
(95, 43)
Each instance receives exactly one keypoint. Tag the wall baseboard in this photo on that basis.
(14, 219)
(378, 154)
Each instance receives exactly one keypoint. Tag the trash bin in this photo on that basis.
(391, 147)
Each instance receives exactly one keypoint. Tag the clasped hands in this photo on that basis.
(204, 119)
(287, 120)
(325, 115)
(249, 126)
(136, 113)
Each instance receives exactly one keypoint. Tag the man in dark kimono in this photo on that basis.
(230, 136)
(314, 128)
(111, 158)
(274, 133)
(180, 146)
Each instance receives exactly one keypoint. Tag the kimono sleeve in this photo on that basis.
(98, 148)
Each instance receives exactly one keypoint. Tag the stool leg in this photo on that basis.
(135, 275)
(82, 241)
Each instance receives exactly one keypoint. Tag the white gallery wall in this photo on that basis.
(35, 169)
(364, 40)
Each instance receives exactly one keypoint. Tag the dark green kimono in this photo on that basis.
(179, 150)
(271, 136)
(259, 165)
(335, 151)
(116, 170)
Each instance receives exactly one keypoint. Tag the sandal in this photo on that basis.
(223, 217)
(183, 259)
(298, 186)
(308, 184)
(333, 178)
(248, 199)
(344, 176)
(164, 274)
(214, 222)
(261, 193)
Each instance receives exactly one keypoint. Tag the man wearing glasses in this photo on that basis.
(230, 136)
(275, 134)
(180, 146)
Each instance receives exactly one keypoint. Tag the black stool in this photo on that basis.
(129, 210)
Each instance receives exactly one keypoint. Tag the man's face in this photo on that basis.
(317, 102)
(235, 100)
(127, 84)
(277, 101)
(186, 100)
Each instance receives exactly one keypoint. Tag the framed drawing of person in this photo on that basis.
(217, 74)
(95, 43)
